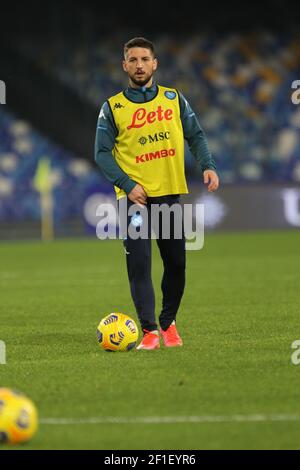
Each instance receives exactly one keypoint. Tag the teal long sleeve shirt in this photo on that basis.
(106, 134)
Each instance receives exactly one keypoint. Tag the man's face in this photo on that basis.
(139, 65)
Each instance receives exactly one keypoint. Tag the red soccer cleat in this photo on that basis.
(149, 341)
(171, 337)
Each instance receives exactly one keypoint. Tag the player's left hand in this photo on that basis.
(211, 178)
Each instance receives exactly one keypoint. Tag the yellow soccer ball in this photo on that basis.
(18, 417)
(117, 332)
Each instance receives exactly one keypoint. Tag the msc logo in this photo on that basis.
(118, 106)
(143, 140)
(146, 157)
(154, 138)
(141, 117)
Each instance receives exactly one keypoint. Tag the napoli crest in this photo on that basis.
(171, 95)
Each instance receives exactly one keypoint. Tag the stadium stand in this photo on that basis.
(238, 84)
(21, 148)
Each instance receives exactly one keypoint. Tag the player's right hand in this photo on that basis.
(137, 195)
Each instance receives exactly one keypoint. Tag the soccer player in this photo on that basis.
(140, 149)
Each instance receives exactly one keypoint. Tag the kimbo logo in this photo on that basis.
(2, 92)
(2, 353)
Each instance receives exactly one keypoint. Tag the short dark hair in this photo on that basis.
(139, 42)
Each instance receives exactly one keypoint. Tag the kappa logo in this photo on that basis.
(118, 106)
(102, 114)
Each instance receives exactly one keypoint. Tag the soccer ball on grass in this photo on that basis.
(117, 332)
(18, 417)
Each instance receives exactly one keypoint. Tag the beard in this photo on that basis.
(141, 81)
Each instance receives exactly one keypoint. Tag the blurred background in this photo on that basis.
(235, 65)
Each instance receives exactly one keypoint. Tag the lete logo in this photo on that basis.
(141, 117)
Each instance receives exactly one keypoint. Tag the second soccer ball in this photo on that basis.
(18, 417)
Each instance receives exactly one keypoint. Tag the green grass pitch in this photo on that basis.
(238, 319)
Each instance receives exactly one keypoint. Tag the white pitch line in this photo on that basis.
(171, 419)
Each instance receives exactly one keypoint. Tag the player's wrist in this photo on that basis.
(210, 169)
(128, 186)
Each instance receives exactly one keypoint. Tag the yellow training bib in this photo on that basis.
(149, 146)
